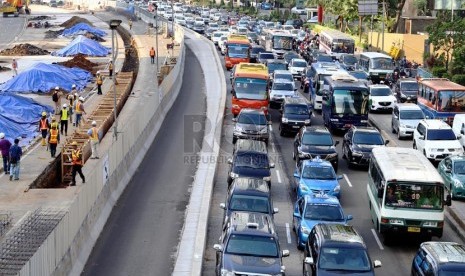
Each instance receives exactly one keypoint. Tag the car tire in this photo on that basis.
(398, 135)
(293, 155)
(299, 246)
(343, 152)
(414, 145)
(234, 140)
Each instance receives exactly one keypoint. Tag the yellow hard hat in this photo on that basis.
(44, 113)
(74, 143)
(54, 119)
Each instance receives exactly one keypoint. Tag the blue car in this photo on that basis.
(266, 6)
(310, 210)
(316, 176)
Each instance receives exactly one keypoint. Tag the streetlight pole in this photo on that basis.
(384, 18)
(172, 20)
(113, 25)
(156, 38)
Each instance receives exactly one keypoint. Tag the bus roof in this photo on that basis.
(254, 70)
(441, 84)
(335, 34)
(235, 38)
(374, 55)
(284, 33)
(328, 68)
(404, 164)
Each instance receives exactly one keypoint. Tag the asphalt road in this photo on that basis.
(14, 25)
(141, 235)
(396, 258)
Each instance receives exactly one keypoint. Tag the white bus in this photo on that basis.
(405, 193)
(376, 65)
(319, 71)
(336, 43)
(279, 42)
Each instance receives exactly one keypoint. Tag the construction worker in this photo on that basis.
(99, 83)
(71, 98)
(44, 126)
(130, 24)
(14, 65)
(5, 146)
(53, 139)
(110, 68)
(94, 139)
(152, 55)
(79, 110)
(76, 161)
(56, 99)
(64, 116)
(54, 123)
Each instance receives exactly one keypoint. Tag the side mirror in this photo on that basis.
(272, 165)
(275, 210)
(350, 217)
(462, 132)
(336, 143)
(285, 253)
(339, 177)
(296, 215)
(218, 247)
(296, 175)
(421, 137)
(386, 142)
(230, 161)
(223, 206)
(448, 201)
(448, 170)
(295, 89)
(380, 193)
(234, 120)
(459, 137)
(377, 263)
(309, 261)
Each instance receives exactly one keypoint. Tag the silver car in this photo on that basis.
(281, 89)
(405, 118)
(251, 124)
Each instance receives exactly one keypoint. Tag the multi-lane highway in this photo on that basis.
(396, 259)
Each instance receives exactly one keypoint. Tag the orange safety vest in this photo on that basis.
(78, 107)
(43, 124)
(53, 136)
(99, 80)
(152, 52)
(77, 157)
(94, 135)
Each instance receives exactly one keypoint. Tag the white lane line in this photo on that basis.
(273, 148)
(278, 175)
(271, 128)
(377, 239)
(288, 233)
(313, 115)
(347, 180)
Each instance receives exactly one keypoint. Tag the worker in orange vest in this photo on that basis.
(44, 126)
(53, 139)
(76, 161)
(94, 139)
(99, 83)
(152, 55)
(79, 110)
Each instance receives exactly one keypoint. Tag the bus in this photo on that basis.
(237, 50)
(376, 65)
(345, 102)
(319, 71)
(440, 98)
(405, 193)
(250, 85)
(336, 43)
(278, 42)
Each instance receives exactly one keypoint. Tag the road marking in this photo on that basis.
(313, 115)
(279, 176)
(271, 128)
(288, 233)
(347, 180)
(273, 148)
(377, 239)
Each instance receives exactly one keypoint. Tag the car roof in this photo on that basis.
(457, 157)
(295, 101)
(445, 252)
(282, 72)
(282, 61)
(320, 199)
(316, 129)
(298, 59)
(379, 86)
(366, 129)
(242, 184)
(252, 111)
(408, 106)
(283, 81)
(250, 145)
(407, 80)
(435, 124)
(339, 233)
(251, 223)
(316, 162)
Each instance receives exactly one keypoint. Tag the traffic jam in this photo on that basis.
(311, 185)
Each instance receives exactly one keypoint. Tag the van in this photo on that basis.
(53, 3)
(405, 118)
(459, 127)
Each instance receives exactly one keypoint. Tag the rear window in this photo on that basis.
(441, 134)
(283, 86)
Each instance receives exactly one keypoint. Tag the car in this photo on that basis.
(283, 74)
(242, 30)
(406, 90)
(299, 10)
(348, 62)
(405, 118)
(233, 29)
(297, 66)
(264, 56)
(312, 141)
(206, 19)
(316, 176)
(280, 89)
(275, 64)
(209, 32)
(439, 258)
(337, 249)
(248, 195)
(323, 58)
(358, 143)
(214, 26)
(250, 159)
(266, 6)
(254, 51)
(199, 27)
(295, 113)
(436, 140)
(190, 23)
(179, 19)
(290, 55)
(216, 36)
(253, 37)
(216, 17)
(310, 210)
(222, 44)
(251, 124)
(361, 75)
(452, 170)
(249, 244)
(381, 98)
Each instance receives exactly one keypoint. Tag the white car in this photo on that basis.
(436, 140)
(281, 89)
(216, 17)
(179, 19)
(222, 44)
(233, 30)
(177, 7)
(242, 31)
(296, 10)
(381, 97)
(216, 36)
(296, 66)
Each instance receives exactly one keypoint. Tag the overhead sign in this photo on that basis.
(449, 4)
(367, 7)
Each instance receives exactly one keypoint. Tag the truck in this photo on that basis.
(13, 7)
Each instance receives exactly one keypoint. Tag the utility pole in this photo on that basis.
(384, 20)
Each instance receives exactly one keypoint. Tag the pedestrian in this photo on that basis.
(71, 98)
(53, 139)
(79, 110)
(14, 65)
(130, 24)
(5, 146)
(94, 139)
(99, 83)
(64, 115)
(76, 161)
(56, 99)
(110, 69)
(44, 126)
(152, 55)
(15, 157)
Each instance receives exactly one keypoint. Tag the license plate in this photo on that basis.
(296, 126)
(413, 229)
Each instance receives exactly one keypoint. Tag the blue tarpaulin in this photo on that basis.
(85, 46)
(83, 28)
(42, 77)
(19, 117)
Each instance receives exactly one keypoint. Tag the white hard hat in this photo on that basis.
(81, 98)
(57, 88)
(73, 86)
(2, 135)
(76, 94)
(94, 123)
(98, 72)
(65, 105)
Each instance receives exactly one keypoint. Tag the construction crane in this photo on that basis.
(14, 7)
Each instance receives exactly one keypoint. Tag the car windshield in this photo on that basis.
(283, 86)
(319, 172)
(296, 110)
(416, 196)
(411, 115)
(459, 167)
(325, 212)
(349, 59)
(299, 63)
(344, 259)
(368, 138)
(248, 88)
(217, 34)
(252, 245)
(440, 134)
(252, 119)
(252, 160)
(324, 58)
(380, 91)
(317, 139)
(455, 270)
(283, 77)
(359, 75)
(266, 56)
(257, 50)
(413, 86)
(249, 203)
(290, 56)
(238, 50)
(381, 63)
(276, 66)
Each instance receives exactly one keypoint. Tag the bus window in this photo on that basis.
(381, 63)
(451, 101)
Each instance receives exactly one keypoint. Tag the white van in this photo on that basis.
(459, 127)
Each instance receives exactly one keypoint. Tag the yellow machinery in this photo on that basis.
(13, 7)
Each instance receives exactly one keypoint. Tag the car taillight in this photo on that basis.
(384, 220)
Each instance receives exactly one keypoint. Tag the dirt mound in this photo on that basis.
(2, 68)
(79, 61)
(75, 20)
(94, 37)
(53, 34)
(41, 17)
(25, 49)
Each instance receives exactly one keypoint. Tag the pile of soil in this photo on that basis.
(94, 37)
(79, 61)
(41, 17)
(2, 69)
(53, 34)
(75, 20)
(25, 49)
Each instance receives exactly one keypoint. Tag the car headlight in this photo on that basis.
(458, 183)
(430, 224)
(303, 188)
(304, 230)
(264, 130)
(331, 156)
(233, 175)
(337, 189)
(373, 101)
(403, 125)
(308, 121)
(396, 221)
(238, 129)
(225, 272)
(357, 153)
(267, 178)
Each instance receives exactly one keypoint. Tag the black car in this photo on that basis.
(295, 113)
(312, 141)
(406, 90)
(290, 55)
(250, 159)
(251, 124)
(256, 49)
(264, 56)
(249, 244)
(348, 62)
(358, 143)
(296, 23)
(439, 258)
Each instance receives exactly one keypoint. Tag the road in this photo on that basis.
(141, 234)
(396, 258)
(14, 25)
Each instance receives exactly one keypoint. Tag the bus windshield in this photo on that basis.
(282, 42)
(343, 47)
(414, 196)
(247, 88)
(350, 102)
(451, 101)
(381, 63)
(238, 50)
